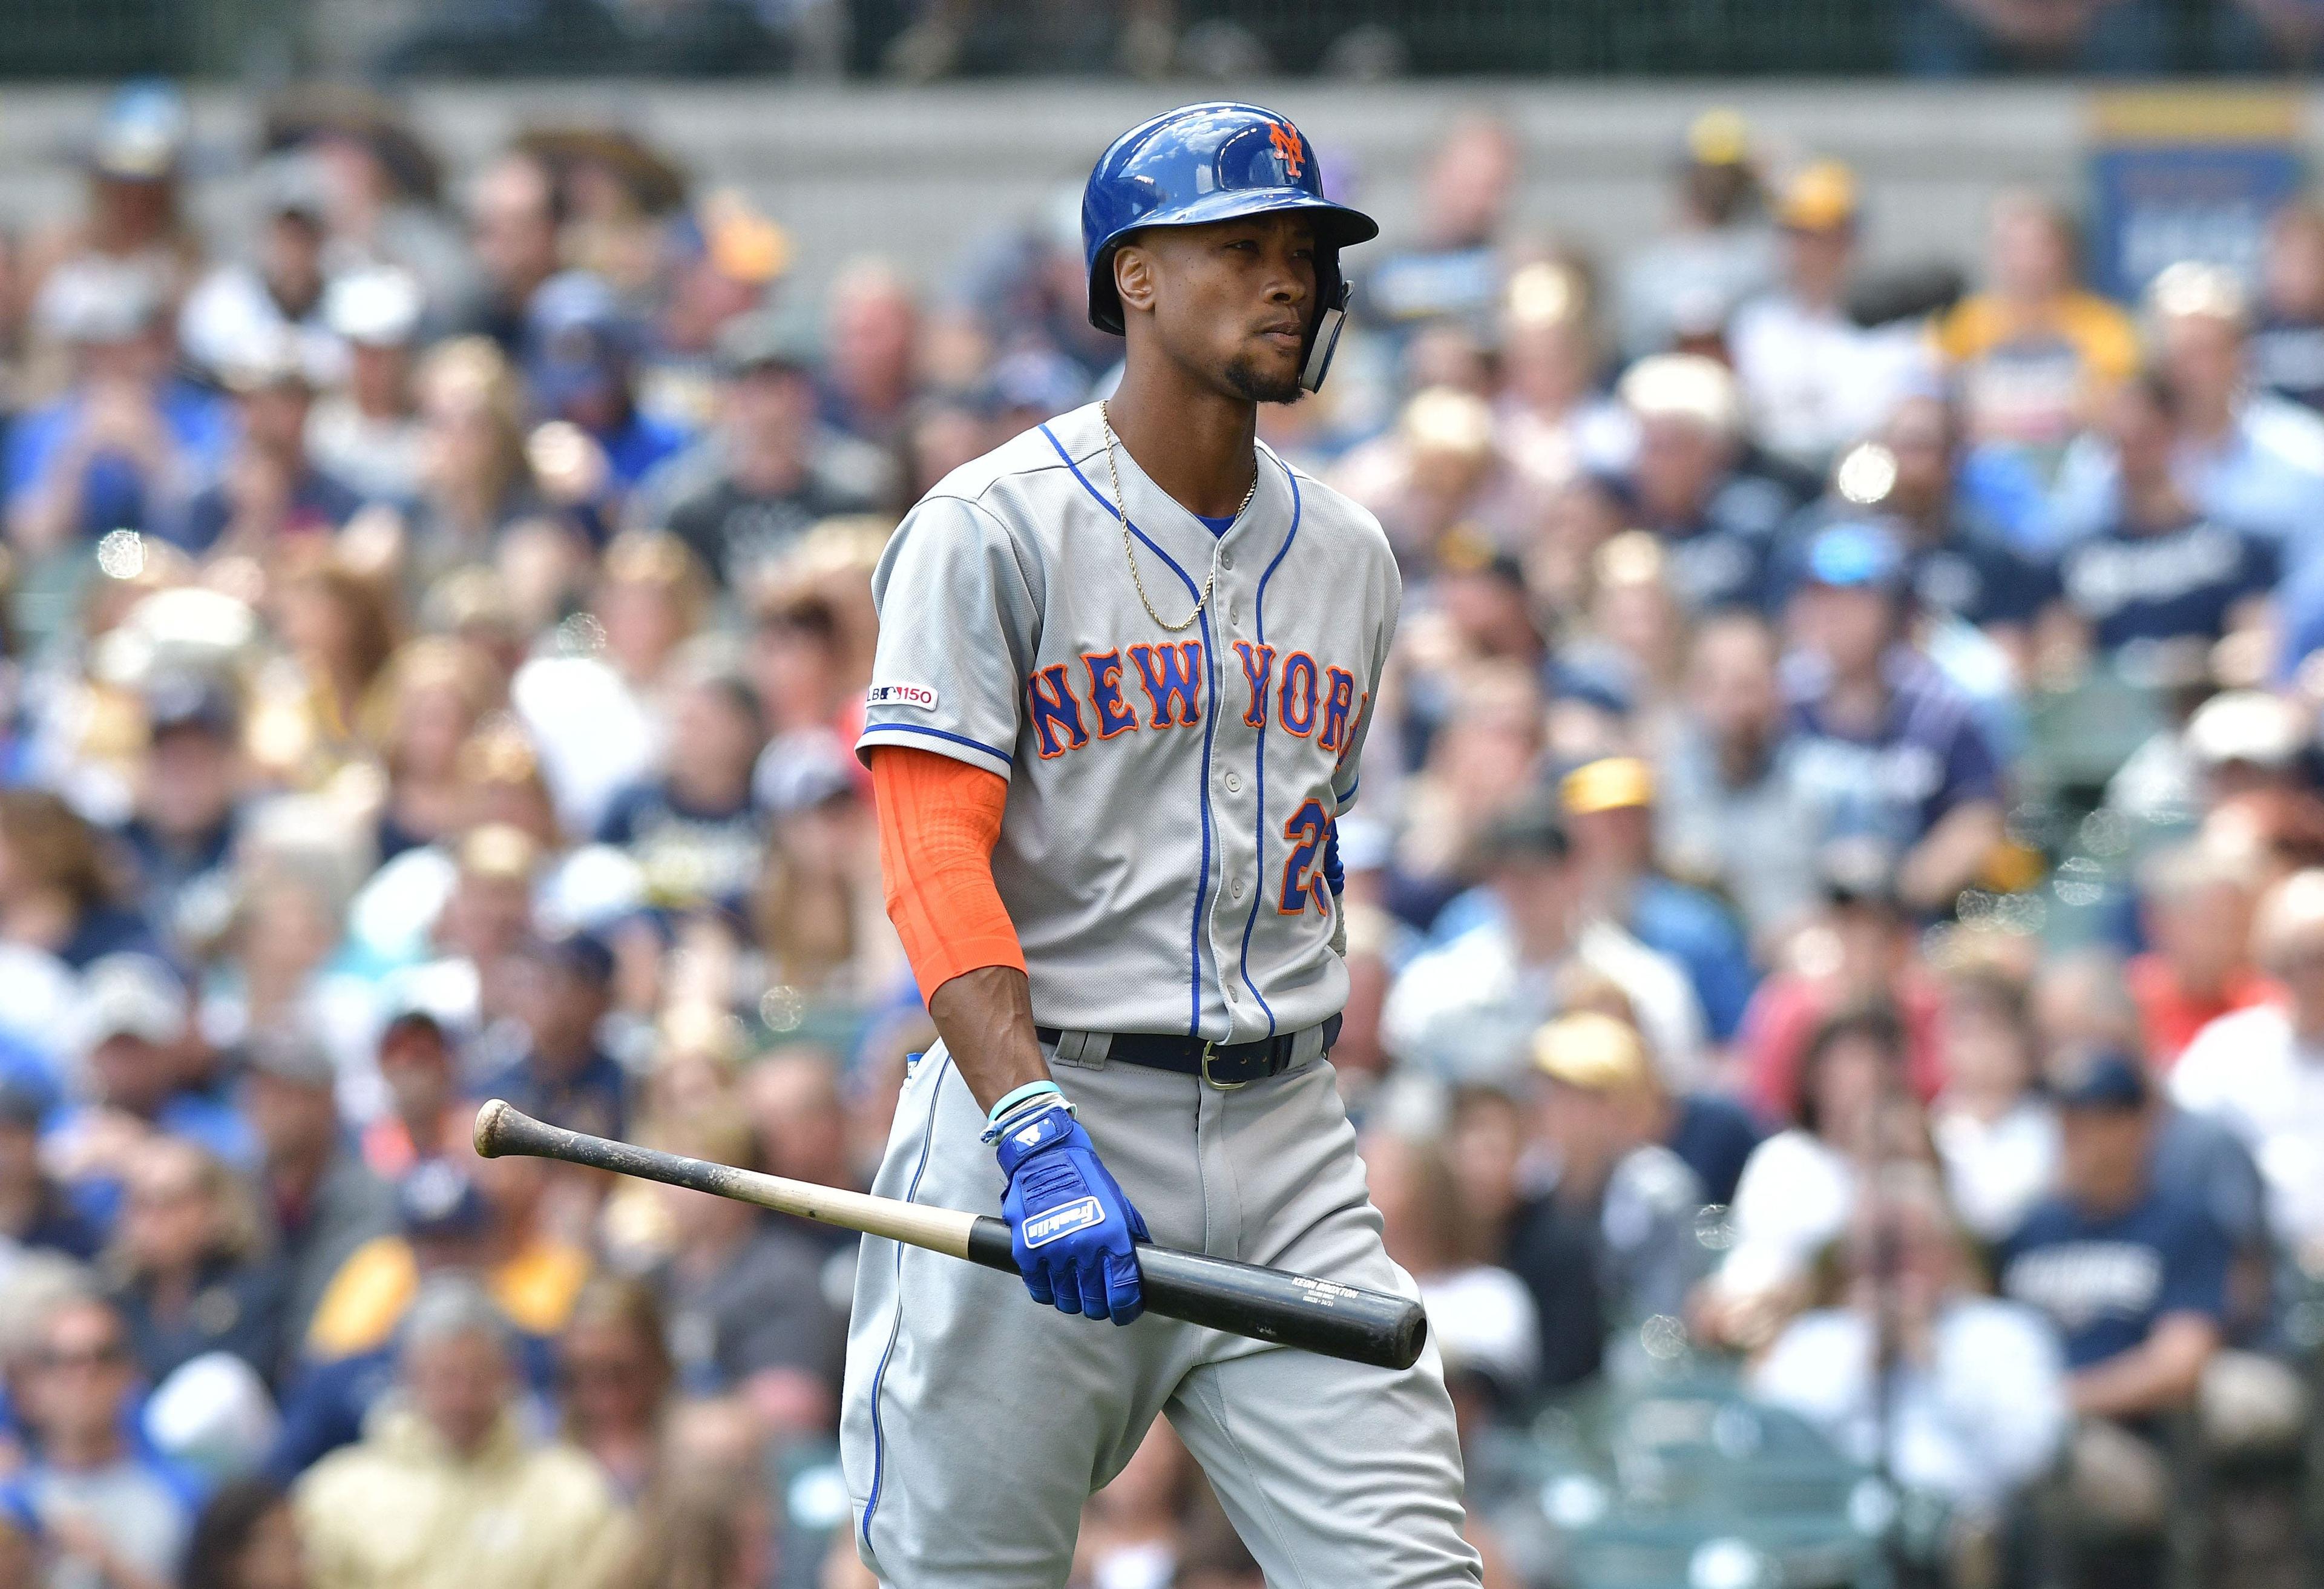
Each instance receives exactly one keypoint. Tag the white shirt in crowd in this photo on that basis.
(1982, 1416)
(2250, 1071)
(1793, 1201)
(1995, 1169)
(1466, 1008)
(1815, 381)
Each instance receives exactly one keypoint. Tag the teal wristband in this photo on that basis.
(1022, 1095)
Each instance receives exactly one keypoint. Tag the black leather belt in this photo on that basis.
(1222, 1065)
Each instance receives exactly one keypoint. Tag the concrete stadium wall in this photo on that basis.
(915, 174)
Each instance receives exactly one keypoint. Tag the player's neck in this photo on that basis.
(1196, 445)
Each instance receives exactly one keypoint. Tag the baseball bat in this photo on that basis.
(1217, 1293)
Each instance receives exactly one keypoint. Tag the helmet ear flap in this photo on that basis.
(1324, 339)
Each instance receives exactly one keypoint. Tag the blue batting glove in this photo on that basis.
(1069, 1225)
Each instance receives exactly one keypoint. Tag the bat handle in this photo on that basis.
(1346, 1322)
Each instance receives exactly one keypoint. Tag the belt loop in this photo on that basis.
(1306, 1046)
(1084, 1050)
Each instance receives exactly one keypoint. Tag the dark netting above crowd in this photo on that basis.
(1835, 913)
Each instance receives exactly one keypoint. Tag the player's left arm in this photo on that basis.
(1347, 774)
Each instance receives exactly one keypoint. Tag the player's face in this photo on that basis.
(1231, 301)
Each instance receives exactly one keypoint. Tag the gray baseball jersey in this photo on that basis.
(1162, 850)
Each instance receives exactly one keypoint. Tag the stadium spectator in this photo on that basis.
(2250, 1069)
(697, 831)
(2034, 349)
(1814, 381)
(746, 1299)
(109, 1515)
(1445, 477)
(449, 1486)
(614, 1376)
(1609, 811)
(2287, 338)
(1727, 815)
(319, 1202)
(475, 490)
(1467, 1008)
(580, 358)
(367, 430)
(36, 1212)
(269, 495)
(1884, 748)
(558, 991)
(2195, 906)
(191, 787)
(1687, 481)
(1715, 252)
(1451, 271)
(515, 213)
(743, 494)
(1954, 1395)
(1996, 1133)
(58, 893)
(422, 1119)
(1602, 1117)
(190, 1274)
(276, 297)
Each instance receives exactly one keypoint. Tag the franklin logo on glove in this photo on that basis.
(1074, 1232)
(1063, 1222)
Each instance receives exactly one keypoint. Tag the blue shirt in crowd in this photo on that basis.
(114, 495)
(2105, 1281)
(1926, 756)
(2179, 584)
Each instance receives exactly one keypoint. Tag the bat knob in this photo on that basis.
(488, 1127)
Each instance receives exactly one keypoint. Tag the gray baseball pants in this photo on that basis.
(975, 1423)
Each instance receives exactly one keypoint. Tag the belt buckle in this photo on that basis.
(1224, 1086)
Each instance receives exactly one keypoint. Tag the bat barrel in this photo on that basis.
(1324, 1316)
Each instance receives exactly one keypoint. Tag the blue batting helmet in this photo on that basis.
(1213, 163)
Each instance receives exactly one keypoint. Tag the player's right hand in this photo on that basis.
(1069, 1224)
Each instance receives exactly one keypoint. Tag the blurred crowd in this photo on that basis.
(1837, 899)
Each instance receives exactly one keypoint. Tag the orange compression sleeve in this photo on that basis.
(938, 821)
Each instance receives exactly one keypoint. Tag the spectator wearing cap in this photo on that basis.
(1715, 252)
(2261, 1070)
(559, 990)
(2195, 910)
(110, 1515)
(2132, 1272)
(268, 492)
(1600, 1118)
(697, 831)
(133, 165)
(580, 360)
(1609, 812)
(190, 788)
(318, 1199)
(127, 444)
(276, 296)
(2239, 745)
(727, 258)
(131, 1030)
(1467, 1009)
(35, 1209)
(188, 1267)
(1883, 747)
(1726, 815)
(1813, 380)
(445, 1487)
(744, 494)
(1963, 564)
(367, 430)
(426, 1115)
(1690, 482)
(1953, 1395)
(2033, 350)
(2151, 566)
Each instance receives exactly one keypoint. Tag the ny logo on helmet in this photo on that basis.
(1286, 145)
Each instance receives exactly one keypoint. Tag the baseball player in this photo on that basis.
(1126, 667)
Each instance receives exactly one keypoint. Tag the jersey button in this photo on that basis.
(1234, 612)
(1234, 888)
(1234, 783)
(1226, 560)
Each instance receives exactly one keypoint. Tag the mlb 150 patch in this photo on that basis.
(919, 697)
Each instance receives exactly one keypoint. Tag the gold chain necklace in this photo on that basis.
(1113, 474)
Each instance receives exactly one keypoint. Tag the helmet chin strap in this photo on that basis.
(1325, 341)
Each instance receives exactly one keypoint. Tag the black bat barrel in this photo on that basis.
(1266, 1303)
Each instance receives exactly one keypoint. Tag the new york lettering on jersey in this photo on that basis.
(1170, 791)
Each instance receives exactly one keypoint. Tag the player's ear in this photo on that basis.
(1133, 277)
